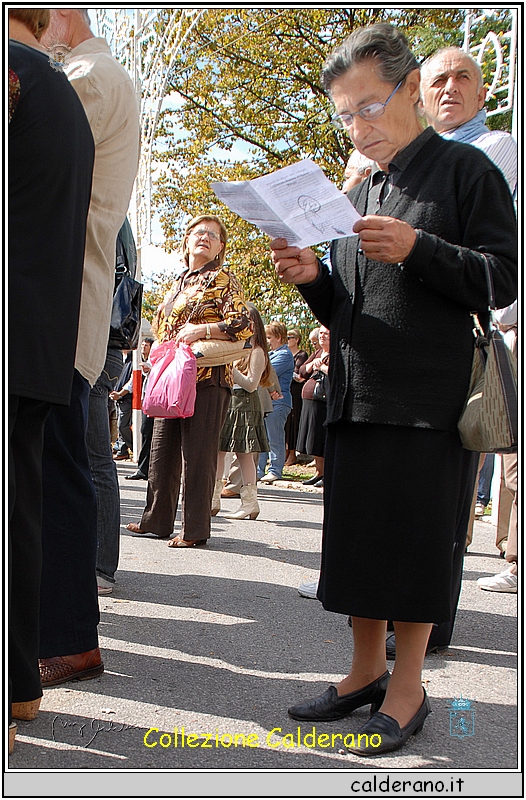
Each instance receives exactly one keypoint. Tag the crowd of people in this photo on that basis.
(376, 408)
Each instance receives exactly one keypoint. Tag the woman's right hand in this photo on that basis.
(316, 364)
(190, 333)
(294, 265)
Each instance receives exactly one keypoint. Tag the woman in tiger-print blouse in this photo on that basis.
(206, 301)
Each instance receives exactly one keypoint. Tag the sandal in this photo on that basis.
(134, 528)
(178, 542)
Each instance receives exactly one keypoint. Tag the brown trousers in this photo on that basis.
(507, 517)
(187, 448)
(507, 520)
(469, 535)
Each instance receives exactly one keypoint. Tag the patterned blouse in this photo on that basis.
(14, 92)
(209, 295)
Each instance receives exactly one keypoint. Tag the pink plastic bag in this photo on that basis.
(171, 387)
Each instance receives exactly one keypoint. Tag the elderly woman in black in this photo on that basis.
(398, 305)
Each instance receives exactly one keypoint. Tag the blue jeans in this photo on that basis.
(485, 478)
(103, 470)
(275, 425)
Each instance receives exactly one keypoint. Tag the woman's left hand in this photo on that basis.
(190, 333)
(385, 239)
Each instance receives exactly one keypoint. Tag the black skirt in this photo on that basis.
(395, 500)
(312, 432)
(293, 420)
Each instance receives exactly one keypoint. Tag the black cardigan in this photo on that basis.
(401, 336)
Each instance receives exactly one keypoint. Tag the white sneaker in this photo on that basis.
(479, 510)
(270, 478)
(308, 590)
(503, 582)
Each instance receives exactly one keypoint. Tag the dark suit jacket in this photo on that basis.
(50, 158)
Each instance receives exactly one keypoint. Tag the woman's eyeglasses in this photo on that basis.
(373, 111)
(200, 232)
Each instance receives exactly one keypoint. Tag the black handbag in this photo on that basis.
(320, 389)
(125, 324)
(489, 421)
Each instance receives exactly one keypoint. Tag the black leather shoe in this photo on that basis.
(384, 734)
(136, 476)
(313, 481)
(328, 706)
(390, 648)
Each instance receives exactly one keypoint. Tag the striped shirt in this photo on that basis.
(501, 148)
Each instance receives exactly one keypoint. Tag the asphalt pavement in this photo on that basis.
(216, 641)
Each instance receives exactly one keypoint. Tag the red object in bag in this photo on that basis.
(171, 387)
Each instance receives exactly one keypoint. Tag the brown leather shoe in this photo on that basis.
(227, 493)
(12, 735)
(79, 667)
(27, 710)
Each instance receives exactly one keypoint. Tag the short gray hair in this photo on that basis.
(381, 42)
(444, 50)
(359, 162)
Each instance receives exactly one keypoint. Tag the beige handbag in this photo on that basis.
(215, 352)
(489, 421)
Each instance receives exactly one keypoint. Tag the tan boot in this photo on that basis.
(27, 710)
(216, 498)
(249, 504)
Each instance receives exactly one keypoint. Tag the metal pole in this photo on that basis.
(513, 50)
(467, 28)
(137, 372)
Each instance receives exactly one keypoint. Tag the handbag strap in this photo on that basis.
(481, 337)
(197, 305)
(489, 280)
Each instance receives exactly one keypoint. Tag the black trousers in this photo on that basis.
(69, 609)
(26, 434)
(124, 445)
(143, 463)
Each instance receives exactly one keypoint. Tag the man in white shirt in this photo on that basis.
(453, 96)
(69, 606)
